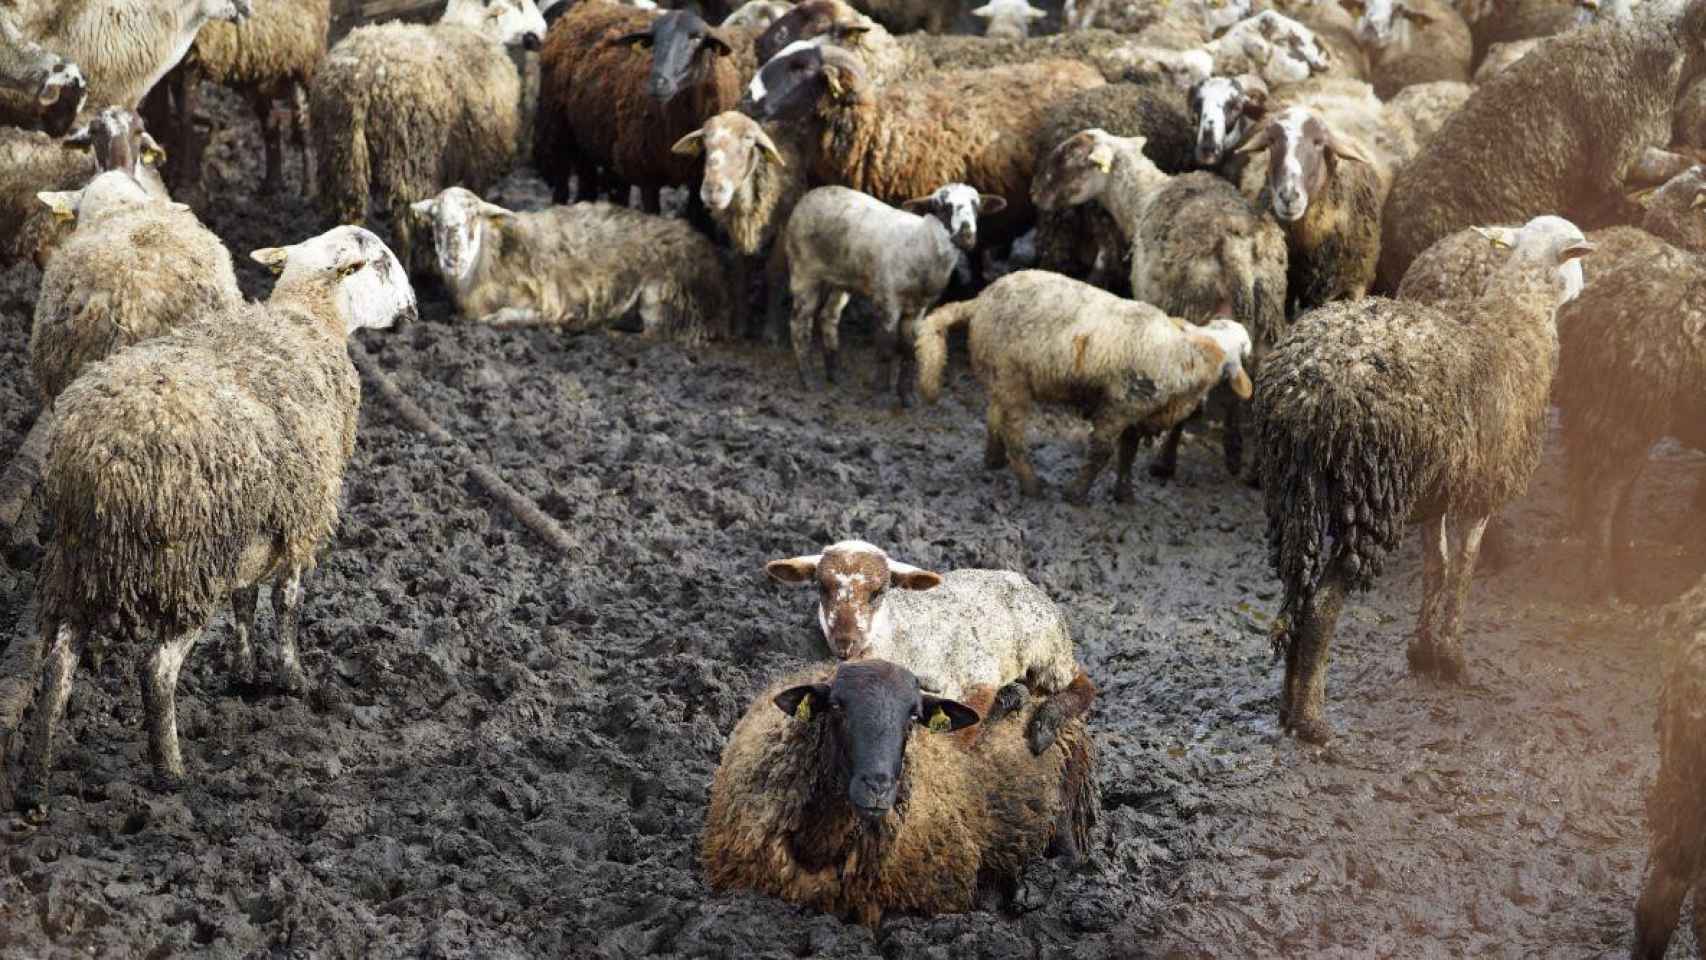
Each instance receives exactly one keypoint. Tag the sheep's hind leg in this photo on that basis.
(57, 672)
(1104, 436)
(1013, 435)
(299, 135)
(888, 346)
(1312, 636)
(287, 618)
(994, 448)
(158, 677)
(1670, 873)
(242, 663)
(908, 385)
(1123, 490)
(1442, 641)
(1436, 564)
(807, 301)
(1232, 444)
(1597, 511)
(1618, 552)
(829, 333)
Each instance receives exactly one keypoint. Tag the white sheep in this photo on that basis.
(1269, 45)
(841, 242)
(1008, 19)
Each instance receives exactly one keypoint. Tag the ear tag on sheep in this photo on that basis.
(939, 722)
(834, 84)
(1698, 201)
(803, 712)
(1102, 158)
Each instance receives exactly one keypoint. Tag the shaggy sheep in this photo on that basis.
(620, 87)
(39, 89)
(1378, 413)
(1412, 41)
(841, 242)
(187, 470)
(1198, 249)
(1131, 369)
(1510, 154)
(1458, 266)
(968, 635)
(836, 792)
(387, 124)
(1008, 19)
(578, 267)
(1425, 107)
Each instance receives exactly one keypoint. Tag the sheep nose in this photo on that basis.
(530, 42)
(877, 783)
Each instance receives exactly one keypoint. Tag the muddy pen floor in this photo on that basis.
(506, 750)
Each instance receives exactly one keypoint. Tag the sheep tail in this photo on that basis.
(19, 480)
(519, 506)
(931, 345)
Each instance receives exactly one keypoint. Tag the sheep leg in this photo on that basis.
(1166, 461)
(908, 383)
(1654, 166)
(888, 346)
(1312, 637)
(1597, 509)
(1104, 437)
(1671, 871)
(192, 145)
(1013, 435)
(994, 447)
(1442, 653)
(158, 677)
(242, 665)
(1232, 444)
(651, 199)
(1068, 704)
(1436, 563)
(272, 141)
(18, 482)
(1123, 490)
(829, 333)
(287, 618)
(57, 671)
(299, 135)
(775, 293)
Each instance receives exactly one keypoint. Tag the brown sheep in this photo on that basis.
(840, 793)
(1412, 41)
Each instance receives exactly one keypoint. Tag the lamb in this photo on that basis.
(1198, 249)
(1412, 41)
(987, 637)
(189, 469)
(1131, 369)
(836, 792)
(1381, 412)
(578, 267)
(1008, 19)
(39, 89)
(840, 242)
(1509, 154)
(386, 123)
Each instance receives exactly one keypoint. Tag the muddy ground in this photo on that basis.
(506, 751)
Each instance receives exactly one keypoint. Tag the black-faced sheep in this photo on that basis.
(39, 89)
(578, 267)
(1511, 153)
(1378, 413)
(1412, 41)
(388, 124)
(840, 793)
(1130, 369)
(841, 242)
(968, 635)
(1198, 249)
(188, 469)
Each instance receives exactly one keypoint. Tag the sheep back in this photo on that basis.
(281, 43)
(1688, 120)
(981, 627)
(1427, 106)
(575, 43)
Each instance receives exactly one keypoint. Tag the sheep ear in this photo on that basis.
(492, 211)
(80, 137)
(1416, 17)
(768, 147)
(643, 39)
(794, 569)
(804, 703)
(1355, 7)
(1345, 149)
(1575, 249)
(153, 154)
(941, 715)
(989, 204)
(1698, 201)
(717, 44)
(1240, 383)
(690, 145)
(919, 205)
(986, 11)
(908, 577)
(425, 209)
(1500, 237)
(1102, 157)
(63, 203)
(1257, 143)
(273, 258)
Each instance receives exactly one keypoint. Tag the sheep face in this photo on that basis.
(57, 84)
(513, 23)
(832, 20)
(1008, 19)
(1077, 171)
(1379, 22)
(1676, 212)
(367, 286)
(873, 709)
(956, 206)
(1291, 51)
(119, 141)
(1182, 68)
(734, 145)
(853, 578)
(1225, 108)
(1302, 153)
(796, 80)
(459, 221)
(1234, 342)
(681, 43)
(756, 15)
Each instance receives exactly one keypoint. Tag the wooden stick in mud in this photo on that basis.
(19, 480)
(519, 505)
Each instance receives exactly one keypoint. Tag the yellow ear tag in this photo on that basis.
(939, 722)
(1102, 158)
(803, 712)
(1699, 200)
(834, 84)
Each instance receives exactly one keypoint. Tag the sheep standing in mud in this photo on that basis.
(1131, 369)
(1380, 412)
(983, 636)
(841, 793)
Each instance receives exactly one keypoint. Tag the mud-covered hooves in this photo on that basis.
(1044, 729)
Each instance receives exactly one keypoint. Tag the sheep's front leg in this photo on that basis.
(1436, 562)
(1232, 446)
(1305, 716)
(1618, 548)
(808, 299)
(287, 618)
(57, 672)
(908, 384)
(299, 136)
(158, 677)
(888, 344)
(1670, 874)
(1123, 490)
(242, 663)
(272, 140)
(829, 333)
(1653, 167)
(1104, 435)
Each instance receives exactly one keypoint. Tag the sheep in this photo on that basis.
(907, 16)
(39, 89)
(1129, 368)
(1412, 41)
(123, 47)
(578, 267)
(1381, 412)
(1688, 118)
(1634, 353)
(1500, 57)
(1079, 14)
(756, 15)
(188, 469)
(841, 242)
(1008, 19)
(1198, 249)
(836, 792)
(907, 139)
(1425, 107)
(386, 123)
(1510, 153)
(752, 182)
(1269, 45)
(619, 88)
(983, 636)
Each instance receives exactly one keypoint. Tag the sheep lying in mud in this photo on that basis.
(839, 793)
(1381, 412)
(1269, 45)
(983, 636)
(187, 470)
(387, 122)
(1412, 41)
(1676, 807)
(1511, 153)
(841, 242)
(1132, 370)
(1198, 250)
(579, 267)
(39, 89)
(1008, 19)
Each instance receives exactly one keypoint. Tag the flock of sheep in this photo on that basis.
(1377, 239)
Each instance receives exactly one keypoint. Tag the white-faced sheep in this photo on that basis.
(756, 15)
(1269, 45)
(841, 242)
(1412, 41)
(981, 636)
(1008, 19)
(1198, 250)
(579, 267)
(39, 89)
(388, 124)
(187, 470)
(1510, 153)
(1133, 371)
(1379, 413)
(840, 793)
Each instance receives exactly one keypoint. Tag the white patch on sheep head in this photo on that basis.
(370, 289)
(1008, 19)
(234, 11)
(853, 578)
(1374, 26)
(1225, 108)
(956, 206)
(1302, 152)
(458, 218)
(1218, 16)
(512, 23)
(1555, 242)
(1234, 342)
(1295, 42)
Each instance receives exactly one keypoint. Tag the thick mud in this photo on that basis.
(506, 750)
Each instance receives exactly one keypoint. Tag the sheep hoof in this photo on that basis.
(1045, 728)
(1161, 470)
(1444, 663)
(1008, 700)
(1312, 730)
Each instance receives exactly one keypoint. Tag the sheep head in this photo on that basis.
(834, 21)
(460, 222)
(1080, 169)
(119, 141)
(804, 77)
(1556, 245)
(1226, 109)
(680, 43)
(348, 267)
(513, 23)
(1379, 21)
(1676, 212)
(56, 84)
(957, 206)
(853, 578)
(873, 708)
(1234, 343)
(107, 191)
(1008, 19)
(733, 145)
(231, 11)
(1302, 153)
